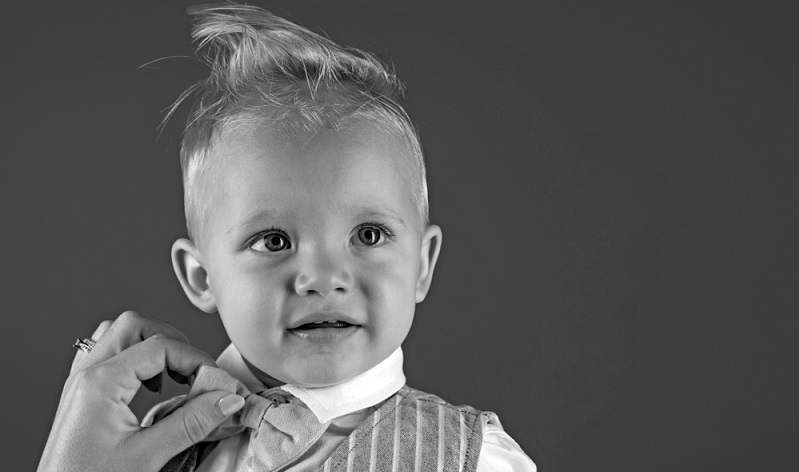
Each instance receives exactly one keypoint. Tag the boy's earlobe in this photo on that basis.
(431, 246)
(192, 275)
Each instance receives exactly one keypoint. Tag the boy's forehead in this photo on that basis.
(358, 153)
(315, 144)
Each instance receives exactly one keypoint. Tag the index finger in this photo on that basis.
(127, 330)
(147, 359)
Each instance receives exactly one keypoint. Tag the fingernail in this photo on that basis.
(230, 404)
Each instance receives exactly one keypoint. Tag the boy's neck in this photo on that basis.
(266, 379)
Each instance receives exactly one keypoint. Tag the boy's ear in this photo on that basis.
(193, 278)
(431, 246)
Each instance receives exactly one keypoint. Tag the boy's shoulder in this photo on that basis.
(461, 433)
(416, 430)
(429, 401)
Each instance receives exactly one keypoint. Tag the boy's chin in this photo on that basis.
(321, 378)
(313, 377)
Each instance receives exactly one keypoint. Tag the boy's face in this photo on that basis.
(306, 229)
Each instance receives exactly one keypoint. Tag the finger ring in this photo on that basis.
(85, 345)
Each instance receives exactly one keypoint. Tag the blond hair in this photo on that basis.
(264, 68)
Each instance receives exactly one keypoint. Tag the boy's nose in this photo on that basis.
(323, 276)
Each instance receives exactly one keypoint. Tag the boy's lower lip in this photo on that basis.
(325, 335)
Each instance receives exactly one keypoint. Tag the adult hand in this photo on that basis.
(95, 430)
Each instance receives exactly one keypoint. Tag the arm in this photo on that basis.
(500, 453)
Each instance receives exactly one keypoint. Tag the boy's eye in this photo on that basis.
(370, 235)
(271, 242)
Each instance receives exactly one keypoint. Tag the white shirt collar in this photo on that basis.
(327, 403)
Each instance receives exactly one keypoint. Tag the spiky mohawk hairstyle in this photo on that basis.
(265, 69)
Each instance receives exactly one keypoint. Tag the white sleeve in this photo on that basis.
(500, 453)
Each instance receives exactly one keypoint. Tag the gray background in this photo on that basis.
(614, 181)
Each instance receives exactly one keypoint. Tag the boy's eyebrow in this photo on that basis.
(372, 212)
(254, 217)
(364, 212)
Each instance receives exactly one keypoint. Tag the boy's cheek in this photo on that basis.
(397, 262)
(247, 303)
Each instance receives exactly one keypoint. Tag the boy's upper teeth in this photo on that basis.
(326, 321)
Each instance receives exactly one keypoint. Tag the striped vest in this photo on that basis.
(411, 431)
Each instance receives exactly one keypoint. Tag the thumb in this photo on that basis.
(191, 423)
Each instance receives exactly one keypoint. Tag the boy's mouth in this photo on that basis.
(324, 324)
(325, 327)
(323, 319)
